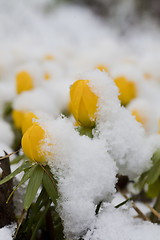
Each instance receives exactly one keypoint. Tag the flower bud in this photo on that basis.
(139, 117)
(18, 118)
(83, 103)
(24, 82)
(28, 121)
(32, 142)
(102, 68)
(127, 89)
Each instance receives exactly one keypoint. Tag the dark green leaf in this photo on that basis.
(85, 131)
(39, 223)
(124, 202)
(50, 187)
(18, 159)
(154, 189)
(25, 177)
(33, 186)
(156, 156)
(17, 171)
(142, 181)
(42, 200)
(154, 173)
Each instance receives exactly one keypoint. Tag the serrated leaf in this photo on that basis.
(50, 187)
(25, 177)
(33, 186)
(17, 171)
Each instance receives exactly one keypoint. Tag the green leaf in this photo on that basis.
(142, 181)
(25, 177)
(24, 166)
(50, 187)
(33, 186)
(85, 131)
(156, 156)
(40, 221)
(154, 189)
(124, 202)
(41, 201)
(18, 159)
(154, 173)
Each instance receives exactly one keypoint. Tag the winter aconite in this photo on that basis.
(28, 121)
(24, 82)
(102, 68)
(127, 89)
(32, 142)
(83, 103)
(18, 116)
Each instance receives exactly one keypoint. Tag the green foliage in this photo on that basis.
(33, 186)
(23, 167)
(50, 186)
(41, 217)
(151, 177)
(85, 131)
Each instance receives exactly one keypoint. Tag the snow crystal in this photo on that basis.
(85, 172)
(7, 232)
(125, 137)
(35, 100)
(112, 223)
(6, 134)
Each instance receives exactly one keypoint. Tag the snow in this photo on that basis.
(85, 168)
(6, 134)
(85, 173)
(112, 223)
(7, 232)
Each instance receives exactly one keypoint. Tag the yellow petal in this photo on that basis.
(18, 117)
(28, 121)
(49, 57)
(83, 103)
(32, 142)
(102, 68)
(75, 96)
(24, 82)
(127, 89)
(47, 76)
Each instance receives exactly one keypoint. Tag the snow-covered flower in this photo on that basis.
(18, 116)
(28, 121)
(127, 89)
(83, 103)
(32, 143)
(24, 82)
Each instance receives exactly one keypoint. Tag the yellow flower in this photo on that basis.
(32, 142)
(24, 82)
(18, 118)
(49, 57)
(139, 117)
(83, 103)
(127, 89)
(28, 121)
(159, 126)
(102, 68)
(47, 76)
